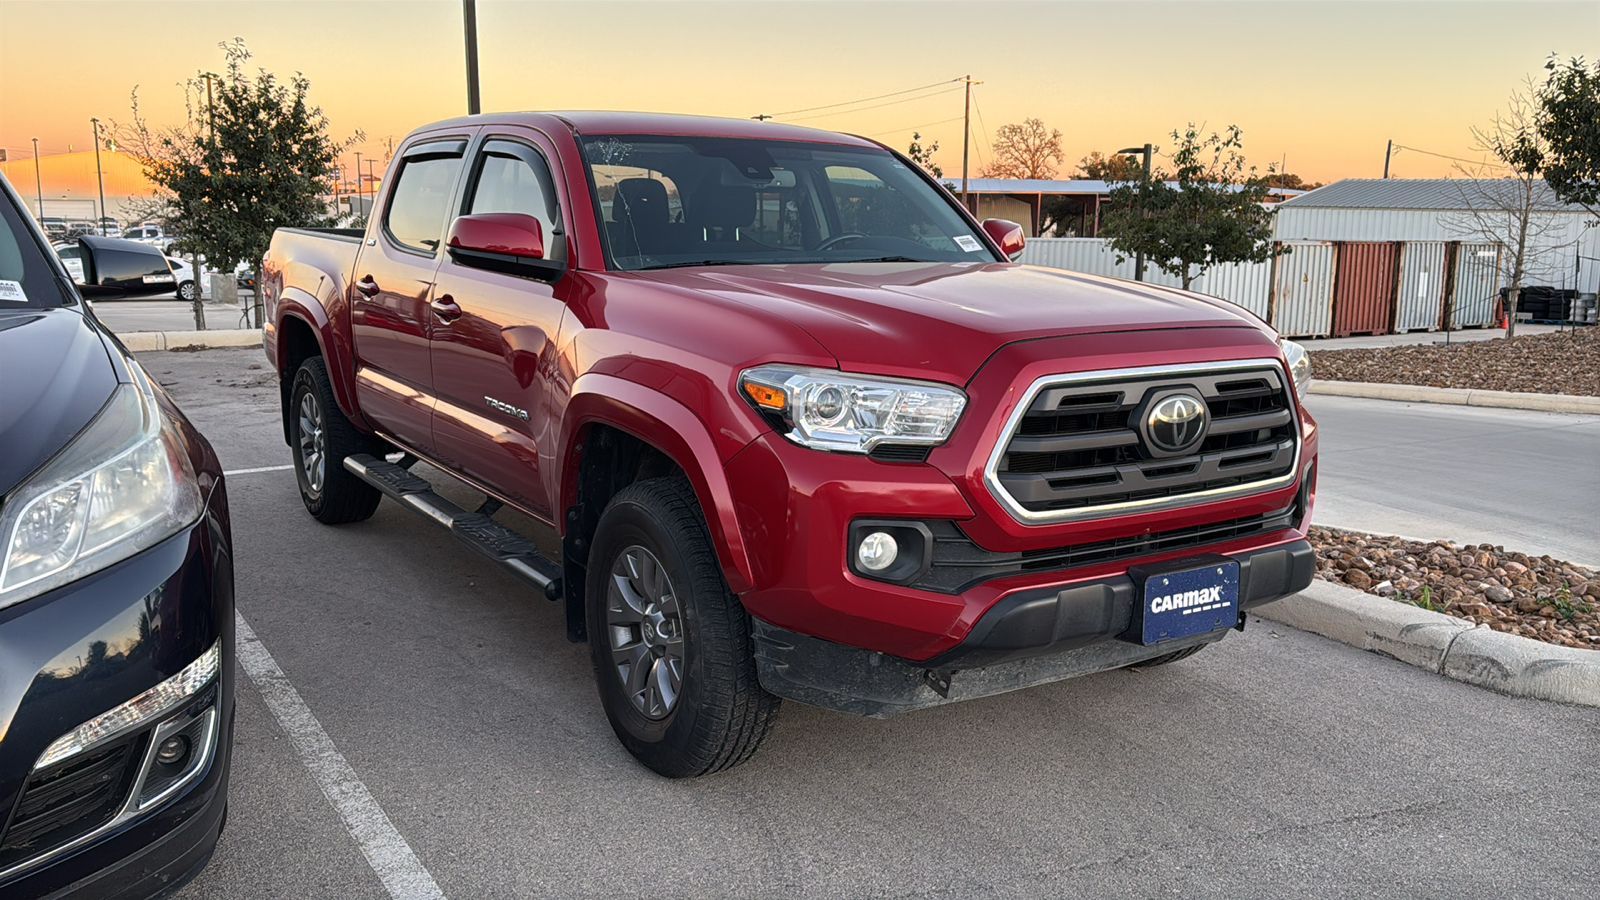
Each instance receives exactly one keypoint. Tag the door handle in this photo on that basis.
(446, 309)
(367, 286)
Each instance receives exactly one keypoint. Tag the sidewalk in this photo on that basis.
(1422, 337)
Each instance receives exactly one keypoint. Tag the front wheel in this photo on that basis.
(670, 643)
(186, 291)
(321, 439)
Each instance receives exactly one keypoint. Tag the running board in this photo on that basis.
(512, 551)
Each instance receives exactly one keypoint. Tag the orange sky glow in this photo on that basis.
(1324, 85)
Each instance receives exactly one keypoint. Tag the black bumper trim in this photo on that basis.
(1029, 638)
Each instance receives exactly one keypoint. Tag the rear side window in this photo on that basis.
(513, 178)
(421, 198)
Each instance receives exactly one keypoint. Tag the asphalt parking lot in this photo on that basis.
(1274, 764)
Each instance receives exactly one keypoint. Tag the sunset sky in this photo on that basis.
(1325, 84)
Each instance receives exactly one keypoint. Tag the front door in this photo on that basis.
(492, 361)
(390, 311)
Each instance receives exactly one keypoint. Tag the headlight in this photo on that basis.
(1299, 366)
(124, 484)
(830, 410)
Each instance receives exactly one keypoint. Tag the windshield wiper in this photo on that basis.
(883, 259)
(698, 262)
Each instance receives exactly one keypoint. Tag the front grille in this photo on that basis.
(70, 799)
(958, 563)
(1076, 449)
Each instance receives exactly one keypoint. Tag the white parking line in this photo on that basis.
(402, 874)
(259, 469)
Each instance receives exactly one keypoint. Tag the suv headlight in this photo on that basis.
(831, 410)
(122, 485)
(1299, 366)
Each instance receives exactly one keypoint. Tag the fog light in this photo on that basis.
(172, 750)
(877, 552)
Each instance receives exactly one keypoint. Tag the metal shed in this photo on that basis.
(1363, 288)
(1475, 285)
(1302, 290)
(1419, 300)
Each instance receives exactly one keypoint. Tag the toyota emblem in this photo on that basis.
(1176, 423)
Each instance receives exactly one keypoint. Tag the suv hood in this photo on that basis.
(942, 320)
(55, 375)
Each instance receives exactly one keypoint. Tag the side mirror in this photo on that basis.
(502, 242)
(113, 267)
(1007, 234)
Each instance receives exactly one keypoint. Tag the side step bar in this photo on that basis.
(514, 552)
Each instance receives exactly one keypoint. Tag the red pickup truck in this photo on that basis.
(804, 429)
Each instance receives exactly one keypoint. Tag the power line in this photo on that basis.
(846, 112)
(983, 128)
(1474, 162)
(915, 127)
(867, 99)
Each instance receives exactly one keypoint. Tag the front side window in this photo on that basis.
(26, 277)
(421, 198)
(687, 201)
(513, 178)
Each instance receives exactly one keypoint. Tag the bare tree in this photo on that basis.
(1515, 208)
(1025, 150)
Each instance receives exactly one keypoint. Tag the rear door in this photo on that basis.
(392, 287)
(493, 362)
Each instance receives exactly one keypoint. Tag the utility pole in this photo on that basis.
(966, 139)
(361, 200)
(1388, 151)
(469, 11)
(374, 181)
(38, 183)
(99, 228)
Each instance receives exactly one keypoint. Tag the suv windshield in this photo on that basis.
(27, 280)
(688, 201)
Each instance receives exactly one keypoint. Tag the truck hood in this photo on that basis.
(942, 320)
(55, 374)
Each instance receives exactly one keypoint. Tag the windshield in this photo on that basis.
(688, 201)
(27, 280)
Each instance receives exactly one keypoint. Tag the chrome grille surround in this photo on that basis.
(1112, 378)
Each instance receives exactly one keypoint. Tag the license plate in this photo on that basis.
(1190, 601)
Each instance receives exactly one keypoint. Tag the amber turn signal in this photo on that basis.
(764, 396)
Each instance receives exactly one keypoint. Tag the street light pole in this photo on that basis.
(469, 11)
(361, 200)
(1147, 151)
(38, 183)
(99, 227)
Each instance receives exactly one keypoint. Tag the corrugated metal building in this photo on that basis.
(1566, 255)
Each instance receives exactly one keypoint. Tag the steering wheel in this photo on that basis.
(840, 238)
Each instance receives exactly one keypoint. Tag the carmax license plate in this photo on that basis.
(1190, 601)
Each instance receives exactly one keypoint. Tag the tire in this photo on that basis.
(321, 434)
(185, 291)
(1172, 657)
(656, 594)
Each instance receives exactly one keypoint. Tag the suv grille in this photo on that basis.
(1078, 448)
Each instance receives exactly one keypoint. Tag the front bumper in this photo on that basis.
(1029, 638)
(77, 652)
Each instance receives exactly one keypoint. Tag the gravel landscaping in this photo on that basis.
(1535, 596)
(1558, 363)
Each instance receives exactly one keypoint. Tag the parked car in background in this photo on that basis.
(110, 227)
(54, 226)
(116, 593)
(183, 278)
(78, 227)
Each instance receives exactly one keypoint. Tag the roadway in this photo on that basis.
(1274, 764)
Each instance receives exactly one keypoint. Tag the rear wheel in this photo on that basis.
(186, 291)
(669, 641)
(321, 439)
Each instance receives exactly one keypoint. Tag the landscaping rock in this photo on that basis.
(1558, 363)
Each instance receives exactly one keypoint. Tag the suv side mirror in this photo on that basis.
(113, 267)
(1007, 234)
(502, 242)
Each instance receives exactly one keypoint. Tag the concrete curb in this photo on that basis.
(171, 340)
(1561, 403)
(1444, 645)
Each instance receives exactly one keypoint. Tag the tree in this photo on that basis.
(1214, 215)
(1024, 150)
(1285, 181)
(1118, 167)
(1568, 120)
(252, 156)
(923, 156)
(1517, 209)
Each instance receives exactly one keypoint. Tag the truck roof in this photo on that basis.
(622, 122)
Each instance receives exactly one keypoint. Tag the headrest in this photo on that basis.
(644, 201)
(725, 207)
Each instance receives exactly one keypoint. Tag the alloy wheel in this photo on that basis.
(313, 442)
(644, 626)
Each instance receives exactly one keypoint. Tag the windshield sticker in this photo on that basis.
(968, 243)
(11, 292)
(74, 268)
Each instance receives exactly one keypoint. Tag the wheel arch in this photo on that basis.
(302, 331)
(614, 433)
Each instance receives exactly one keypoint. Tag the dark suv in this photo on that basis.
(116, 593)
